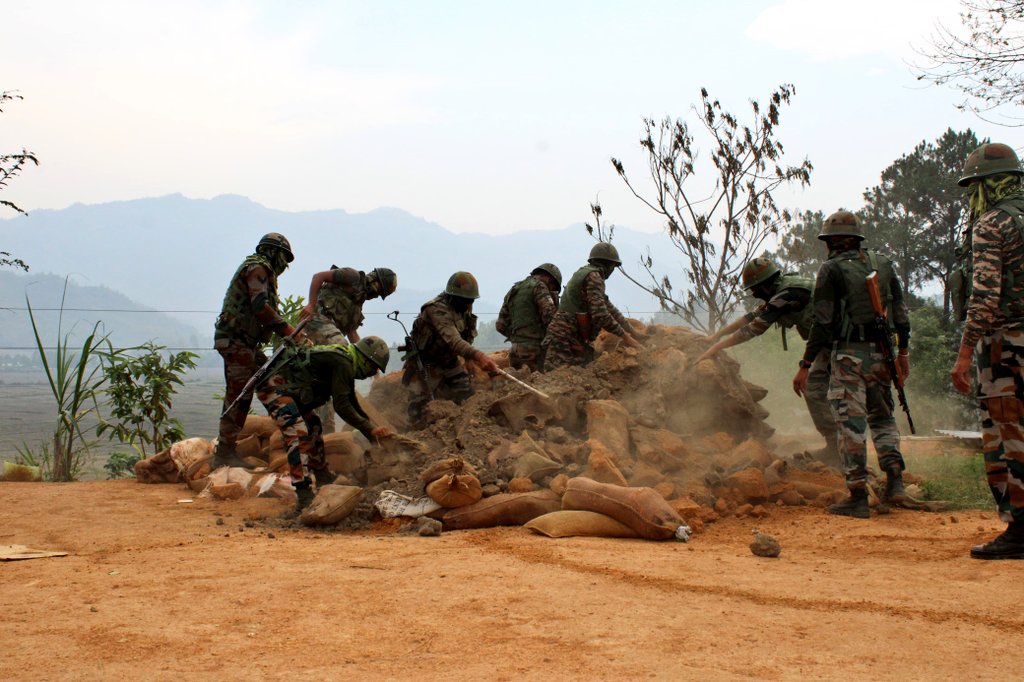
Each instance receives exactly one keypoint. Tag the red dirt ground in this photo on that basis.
(154, 589)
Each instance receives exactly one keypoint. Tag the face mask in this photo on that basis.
(460, 304)
(279, 261)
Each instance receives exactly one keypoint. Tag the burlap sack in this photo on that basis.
(445, 467)
(249, 447)
(190, 454)
(455, 490)
(535, 466)
(259, 425)
(566, 523)
(502, 510)
(642, 509)
(332, 504)
(159, 468)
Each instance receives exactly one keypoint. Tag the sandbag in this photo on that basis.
(642, 509)
(332, 504)
(535, 466)
(249, 447)
(188, 455)
(445, 467)
(502, 510)
(20, 472)
(259, 425)
(159, 468)
(575, 523)
(455, 490)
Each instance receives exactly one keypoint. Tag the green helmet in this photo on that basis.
(606, 252)
(388, 281)
(551, 269)
(463, 285)
(375, 350)
(841, 224)
(278, 241)
(989, 159)
(757, 271)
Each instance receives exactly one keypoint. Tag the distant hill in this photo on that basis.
(175, 253)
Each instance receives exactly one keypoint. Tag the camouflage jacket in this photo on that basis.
(312, 376)
(442, 334)
(585, 294)
(341, 300)
(997, 283)
(833, 297)
(249, 312)
(789, 306)
(526, 312)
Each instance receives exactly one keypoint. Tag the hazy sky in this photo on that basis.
(481, 116)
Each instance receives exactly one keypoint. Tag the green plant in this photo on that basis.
(140, 390)
(41, 458)
(121, 464)
(75, 382)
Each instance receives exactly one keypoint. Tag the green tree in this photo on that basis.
(719, 226)
(140, 391)
(800, 250)
(10, 166)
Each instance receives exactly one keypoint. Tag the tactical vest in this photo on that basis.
(237, 319)
(301, 381)
(525, 325)
(856, 314)
(801, 319)
(343, 305)
(430, 344)
(572, 298)
(960, 279)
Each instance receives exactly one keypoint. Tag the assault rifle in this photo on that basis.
(885, 344)
(264, 369)
(409, 346)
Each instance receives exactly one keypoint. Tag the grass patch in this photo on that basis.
(956, 478)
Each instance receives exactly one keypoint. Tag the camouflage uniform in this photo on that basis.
(526, 312)
(583, 311)
(444, 337)
(306, 379)
(339, 313)
(995, 326)
(860, 389)
(248, 318)
(789, 306)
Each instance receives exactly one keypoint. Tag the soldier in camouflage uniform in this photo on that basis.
(443, 336)
(994, 333)
(786, 303)
(307, 378)
(248, 318)
(860, 388)
(584, 311)
(526, 312)
(335, 310)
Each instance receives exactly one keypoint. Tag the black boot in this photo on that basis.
(1009, 545)
(225, 456)
(324, 476)
(894, 490)
(305, 498)
(856, 506)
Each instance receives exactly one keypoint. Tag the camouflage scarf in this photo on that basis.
(983, 195)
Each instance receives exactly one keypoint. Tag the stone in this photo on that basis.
(765, 546)
(428, 527)
(721, 506)
(601, 465)
(743, 510)
(759, 512)
(662, 449)
(645, 476)
(608, 422)
(749, 485)
(521, 485)
(666, 489)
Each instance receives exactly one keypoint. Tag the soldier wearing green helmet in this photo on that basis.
(247, 319)
(335, 310)
(443, 335)
(993, 265)
(786, 302)
(305, 379)
(584, 310)
(526, 312)
(860, 386)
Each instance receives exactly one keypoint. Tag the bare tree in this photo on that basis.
(984, 60)
(10, 166)
(720, 229)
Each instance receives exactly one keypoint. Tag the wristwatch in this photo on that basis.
(804, 364)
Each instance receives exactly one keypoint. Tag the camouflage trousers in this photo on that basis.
(241, 361)
(816, 397)
(563, 346)
(322, 331)
(451, 383)
(1001, 399)
(860, 391)
(303, 435)
(527, 355)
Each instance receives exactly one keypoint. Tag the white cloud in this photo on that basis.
(826, 29)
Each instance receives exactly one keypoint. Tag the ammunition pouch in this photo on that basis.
(583, 323)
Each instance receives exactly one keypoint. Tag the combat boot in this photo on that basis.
(894, 490)
(305, 497)
(324, 476)
(225, 456)
(856, 506)
(1009, 545)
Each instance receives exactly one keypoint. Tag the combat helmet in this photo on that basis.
(463, 284)
(375, 350)
(279, 241)
(388, 281)
(606, 252)
(990, 159)
(841, 224)
(758, 271)
(551, 269)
